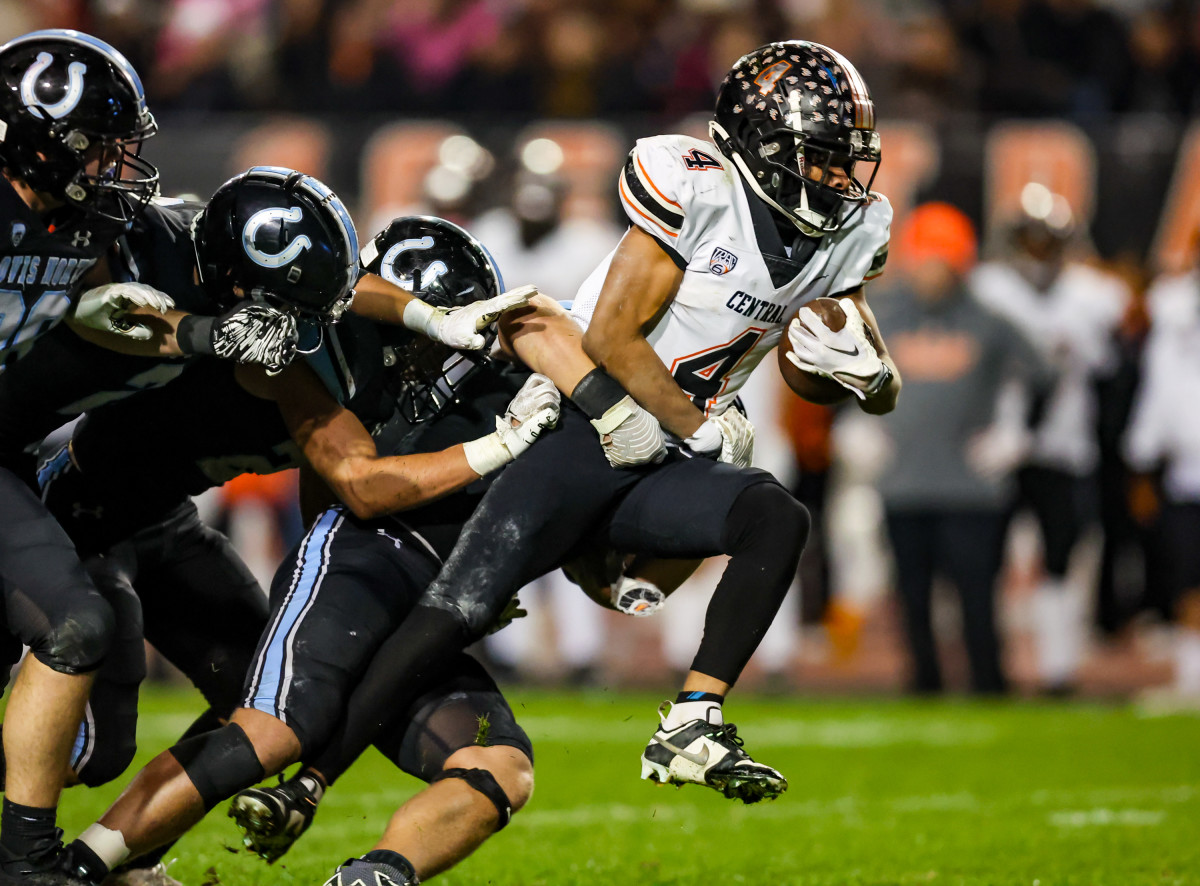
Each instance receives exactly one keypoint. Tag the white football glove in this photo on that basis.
(630, 435)
(532, 410)
(846, 356)
(728, 437)
(105, 308)
(459, 327)
(637, 597)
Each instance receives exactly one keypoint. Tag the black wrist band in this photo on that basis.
(194, 335)
(597, 393)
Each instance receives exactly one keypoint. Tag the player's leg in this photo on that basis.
(536, 511)
(51, 606)
(971, 548)
(913, 536)
(107, 738)
(697, 508)
(463, 739)
(1059, 501)
(332, 602)
(204, 612)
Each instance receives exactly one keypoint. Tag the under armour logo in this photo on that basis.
(286, 255)
(64, 105)
(81, 239)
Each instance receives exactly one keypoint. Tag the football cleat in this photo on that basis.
(155, 875)
(361, 872)
(272, 819)
(699, 752)
(50, 864)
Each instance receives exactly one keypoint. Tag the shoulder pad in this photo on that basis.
(668, 183)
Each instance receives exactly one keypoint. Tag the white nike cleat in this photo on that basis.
(699, 752)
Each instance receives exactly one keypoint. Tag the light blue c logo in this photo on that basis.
(289, 252)
(428, 275)
(67, 103)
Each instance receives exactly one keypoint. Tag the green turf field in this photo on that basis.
(882, 791)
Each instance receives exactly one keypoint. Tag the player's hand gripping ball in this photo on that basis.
(827, 354)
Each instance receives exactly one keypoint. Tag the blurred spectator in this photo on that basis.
(1070, 312)
(948, 486)
(1163, 446)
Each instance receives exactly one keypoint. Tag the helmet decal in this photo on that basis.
(68, 102)
(770, 76)
(286, 255)
(428, 275)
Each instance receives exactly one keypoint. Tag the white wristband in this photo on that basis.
(486, 454)
(418, 316)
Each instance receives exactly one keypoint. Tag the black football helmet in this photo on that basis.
(73, 118)
(445, 266)
(280, 236)
(790, 110)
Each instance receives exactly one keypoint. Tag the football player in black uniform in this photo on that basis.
(356, 574)
(73, 117)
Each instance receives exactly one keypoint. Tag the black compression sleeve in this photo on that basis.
(597, 393)
(195, 335)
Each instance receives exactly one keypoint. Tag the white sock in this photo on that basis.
(109, 845)
(1187, 661)
(1058, 632)
(685, 711)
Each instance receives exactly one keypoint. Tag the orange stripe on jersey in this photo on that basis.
(632, 205)
(646, 178)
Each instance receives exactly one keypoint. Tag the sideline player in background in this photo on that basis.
(721, 253)
(1070, 312)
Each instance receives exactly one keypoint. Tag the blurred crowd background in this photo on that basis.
(1028, 520)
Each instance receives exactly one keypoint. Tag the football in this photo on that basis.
(814, 388)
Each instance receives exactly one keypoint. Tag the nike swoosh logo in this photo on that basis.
(698, 759)
(853, 353)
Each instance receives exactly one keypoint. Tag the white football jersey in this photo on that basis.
(728, 313)
(1072, 325)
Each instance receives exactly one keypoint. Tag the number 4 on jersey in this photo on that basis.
(698, 160)
(702, 375)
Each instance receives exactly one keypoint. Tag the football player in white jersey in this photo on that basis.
(725, 245)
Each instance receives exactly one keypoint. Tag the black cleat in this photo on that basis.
(48, 866)
(355, 871)
(272, 819)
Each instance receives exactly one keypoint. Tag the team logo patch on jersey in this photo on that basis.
(722, 262)
(17, 233)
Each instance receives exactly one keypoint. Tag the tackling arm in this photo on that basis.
(343, 454)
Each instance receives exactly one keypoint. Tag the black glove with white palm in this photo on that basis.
(847, 356)
(532, 410)
(252, 332)
(459, 327)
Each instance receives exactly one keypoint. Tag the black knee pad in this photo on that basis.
(77, 642)
(766, 514)
(219, 763)
(484, 782)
